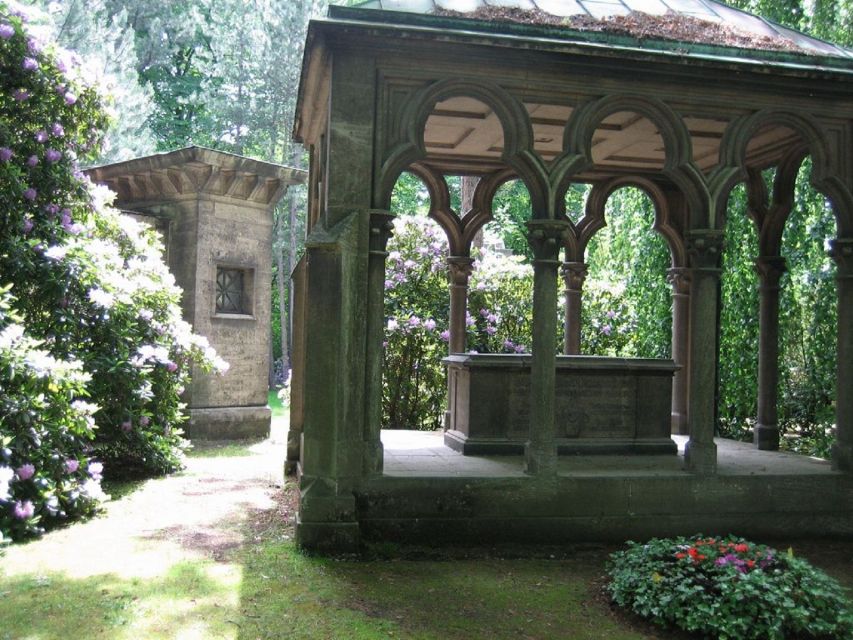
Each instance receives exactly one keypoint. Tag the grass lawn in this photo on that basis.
(278, 409)
(225, 566)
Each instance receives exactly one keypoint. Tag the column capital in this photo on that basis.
(381, 229)
(705, 247)
(574, 274)
(841, 251)
(679, 279)
(460, 269)
(770, 269)
(546, 238)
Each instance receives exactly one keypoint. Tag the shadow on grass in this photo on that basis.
(118, 489)
(223, 449)
(189, 599)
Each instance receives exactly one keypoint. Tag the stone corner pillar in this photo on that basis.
(679, 279)
(574, 274)
(546, 239)
(381, 225)
(704, 250)
(770, 270)
(842, 450)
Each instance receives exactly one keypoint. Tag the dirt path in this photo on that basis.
(198, 514)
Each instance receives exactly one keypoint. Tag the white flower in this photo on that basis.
(56, 252)
(11, 335)
(6, 475)
(101, 298)
(92, 489)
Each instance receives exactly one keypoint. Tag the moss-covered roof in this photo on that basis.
(691, 26)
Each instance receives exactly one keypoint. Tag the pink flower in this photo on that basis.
(41, 136)
(96, 469)
(171, 367)
(52, 155)
(29, 64)
(57, 130)
(429, 324)
(27, 226)
(606, 329)
(5, 154)
(21, 94)
(6, 31)
(71, 465)
(144, 421)
(70, 98)
(126, 426)
(445, 335)
(24, 510)
(30, 194)
(32, 161)
(25, 471)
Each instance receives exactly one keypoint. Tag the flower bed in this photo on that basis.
(729, 588)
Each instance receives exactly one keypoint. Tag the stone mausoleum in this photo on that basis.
(214, 212)
(683, 99)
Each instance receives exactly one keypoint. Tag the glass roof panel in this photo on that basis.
(695, 7)
(605, 9)
(459, 5)
(562, 8)
(652, 7)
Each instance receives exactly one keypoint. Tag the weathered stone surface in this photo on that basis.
(603, 405)
(214, 211)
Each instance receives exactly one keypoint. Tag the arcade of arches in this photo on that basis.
(685, 130)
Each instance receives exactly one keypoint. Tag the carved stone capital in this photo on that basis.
(574, 275)
(546, 238)
(770, 269)
(841, 251)
(460, 269)
(381, 230)
(679, 279)
(705, 248)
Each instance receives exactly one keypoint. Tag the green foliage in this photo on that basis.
(728, 588)
(46, 425)
(627, 300)
(89, 286)
(416, 306)
(738, 322)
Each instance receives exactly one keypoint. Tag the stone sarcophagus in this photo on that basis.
(602, 405)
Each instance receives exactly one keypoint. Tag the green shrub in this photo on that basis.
(46, 427)
(728, 588)
(89, 286)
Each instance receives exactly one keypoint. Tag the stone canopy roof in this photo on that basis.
(696, 22)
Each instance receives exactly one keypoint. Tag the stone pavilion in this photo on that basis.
(682, 98)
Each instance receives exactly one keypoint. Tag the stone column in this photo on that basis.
(546, 240)
(460, 268)
(381, 228)
(679, 278)
(704, 248)
(574, 274)
(770, 270)
(842, 450)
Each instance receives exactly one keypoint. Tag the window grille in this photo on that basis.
(230, 292)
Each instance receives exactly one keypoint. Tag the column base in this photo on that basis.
(228, 423)
(540, 461)
(842, 457)
(294, 447)
(374, 457)
(701, 457)
(766, 437)
(328, 537)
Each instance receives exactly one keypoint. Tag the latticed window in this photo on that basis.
(230, 291)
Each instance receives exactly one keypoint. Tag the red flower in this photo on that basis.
(680, 556)
(741, 548)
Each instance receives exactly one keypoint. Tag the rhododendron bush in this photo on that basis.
(93, 352)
